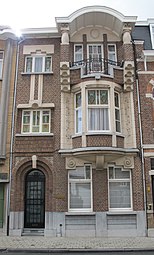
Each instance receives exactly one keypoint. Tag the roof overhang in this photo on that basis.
(148, 55)
(7, 33)
(96, 16)
(45, 32)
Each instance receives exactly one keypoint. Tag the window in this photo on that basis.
(112, 53)
(95, 58)
(1, 63)
(117, 111)
(78, 113)
(119, 181)
(80, 188)
(38, 64)
(36, 121)
(152, 35)
(78, 53)
(98, 110)
(152, 163)
(111, 57)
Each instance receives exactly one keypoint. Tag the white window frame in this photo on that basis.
(33, 57)
(106, 106)
(31, 121)
(115, 52)
(110, 64)
(119, 109)
(77, 109)
(152, 34)
(81, 181)
(120, 180)
(75, 53)
(93, 45)
(1, 61)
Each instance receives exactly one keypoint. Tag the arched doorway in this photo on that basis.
(34, 200)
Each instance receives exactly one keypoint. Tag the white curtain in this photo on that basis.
(98, 119)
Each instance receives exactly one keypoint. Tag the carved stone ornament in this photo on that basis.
(127, 162)
(126, 36)
(71, 163)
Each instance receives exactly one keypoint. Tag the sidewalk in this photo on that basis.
(74, 244)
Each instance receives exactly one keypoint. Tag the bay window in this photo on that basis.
(38, 64)
(80, 188)
(1, 63)
(98, 110)
(36, 121)
(119, 183)
(117, 112)
(78, 113)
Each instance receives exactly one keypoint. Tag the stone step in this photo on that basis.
(33, 232)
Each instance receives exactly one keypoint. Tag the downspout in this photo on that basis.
(141, 139)
(12, 135)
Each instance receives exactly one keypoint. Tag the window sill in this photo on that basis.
(80, 213)
(34, 73)
(30, 134)
(99, 133)
(120, 135)
(76, 135)
(121, 212)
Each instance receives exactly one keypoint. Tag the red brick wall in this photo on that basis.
(99, 141)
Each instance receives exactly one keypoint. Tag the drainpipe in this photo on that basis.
(12, 134)
(141, 138)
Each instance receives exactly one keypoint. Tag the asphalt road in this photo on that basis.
(83, 253)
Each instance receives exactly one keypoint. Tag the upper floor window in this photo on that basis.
(1, 63)
(38, 64)
(98, 110)
(78, 113)
(78, 52)
(112, 53)
(80, 188)
(36, 121)
(117, 112)
(120, 194)
(152, 34)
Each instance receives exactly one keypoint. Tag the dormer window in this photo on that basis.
(38, 64)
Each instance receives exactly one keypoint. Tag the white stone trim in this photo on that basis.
(29, 49)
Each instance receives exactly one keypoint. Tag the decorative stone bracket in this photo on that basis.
(128, 75)
(65, 76)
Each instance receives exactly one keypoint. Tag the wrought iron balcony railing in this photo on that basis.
(101, 65)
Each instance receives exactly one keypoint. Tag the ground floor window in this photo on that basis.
(80, 188)
(1, 204)
(119, 184)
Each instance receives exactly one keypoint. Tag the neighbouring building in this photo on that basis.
(144, 40)
(77, 151)
(7, 75)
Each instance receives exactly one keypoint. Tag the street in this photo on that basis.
(84, 253)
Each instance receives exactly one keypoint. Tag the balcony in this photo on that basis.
(93, 66)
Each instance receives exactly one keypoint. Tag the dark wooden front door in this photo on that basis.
(35, 200)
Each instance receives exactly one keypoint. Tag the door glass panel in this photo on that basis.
(35, 200)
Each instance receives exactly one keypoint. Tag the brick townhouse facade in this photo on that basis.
(78, 155)
(144, 39)
(7, 74)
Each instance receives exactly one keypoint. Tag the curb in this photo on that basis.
(17, 250)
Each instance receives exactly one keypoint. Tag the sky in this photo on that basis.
(20, 14)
